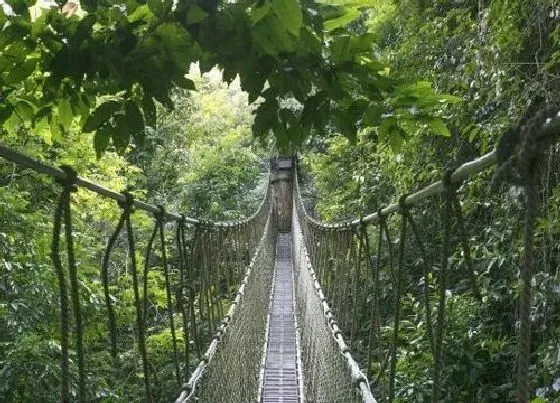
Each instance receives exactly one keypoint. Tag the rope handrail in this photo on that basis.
(463, 172)
(59, 174)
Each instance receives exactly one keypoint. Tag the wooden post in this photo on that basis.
(283, 183)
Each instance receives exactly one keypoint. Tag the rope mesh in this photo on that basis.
(329, 371)
(229, 371)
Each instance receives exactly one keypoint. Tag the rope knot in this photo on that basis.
(160, 215)
(519, 149)
(381, 215)
(128, 203)
(402, 203)
(447, 181)
(70, 179)
(361, 222)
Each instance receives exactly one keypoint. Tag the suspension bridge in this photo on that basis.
(270, 309)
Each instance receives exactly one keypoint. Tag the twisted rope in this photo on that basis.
(521, 165)
(147, 258)
(426, 286)
(74, 285)
(398, 285)
(63, 202)
(105, 281)
(182, 253)
(161, 229)
(127, 210)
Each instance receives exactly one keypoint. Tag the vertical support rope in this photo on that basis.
(128, 208)
(426, 288)
(531, 183)
(356, 288)
(205, 284)
(525, 303)
(170, 313)
(346, 274)
(71, 177)
(372, 322)
(107, 294)
(218, 244)
(181, 250)
(383, 229)
(63, 293)
(147, 258)
(465, 246)
(522, 167)
(398, 286)
(192, 290)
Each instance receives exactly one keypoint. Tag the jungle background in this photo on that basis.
(379, 97)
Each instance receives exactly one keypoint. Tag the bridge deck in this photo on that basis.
(281, 380)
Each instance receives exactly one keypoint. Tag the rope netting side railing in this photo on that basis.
(330, 373)
(365, 269)
(199, 264)
(229, 370)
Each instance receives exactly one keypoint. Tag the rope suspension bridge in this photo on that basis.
(281, 307)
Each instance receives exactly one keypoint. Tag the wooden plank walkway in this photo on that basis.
(281, 380)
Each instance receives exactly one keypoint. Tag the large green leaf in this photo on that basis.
(195, 14)
(267, 117)
(312, 115)
(372, 114)
(350, 15)
(177, 44)
(19, 6)
(142, 13)
(439, 128)
(181, 81)
(103, 113)
(149, 109)
(120, 134)
(135, 122)
(21, 72)
(260, 11)
(65, 114)
(25, 111)
(289, 13)
(272, 37)
(340, 49)
(101, 140)
(3, 18)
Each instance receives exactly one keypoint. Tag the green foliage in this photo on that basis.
(203, 155)
(499, 61)
(107, 63)
(202, 158)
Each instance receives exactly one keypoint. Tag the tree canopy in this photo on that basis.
(104, 64)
